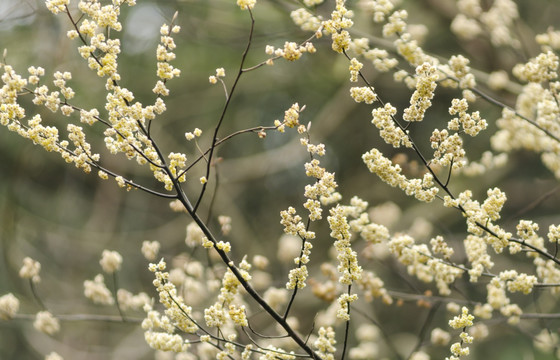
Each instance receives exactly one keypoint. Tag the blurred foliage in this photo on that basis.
(56, 215)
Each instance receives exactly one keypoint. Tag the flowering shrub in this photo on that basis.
(352, 267)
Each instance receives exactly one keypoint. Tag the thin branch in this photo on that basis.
(449, 173)
(294, 293)
(202, 156)
(262, 335)
(250, 290)
(224, 110)
(346, 327)
(214, 194)
(262, 350)
(85, 317)
(425, 327)
(115, 290)
(521, 242)
(535, 202)
(36, 295)
(387, 337)
(502, 105)
(540, 316)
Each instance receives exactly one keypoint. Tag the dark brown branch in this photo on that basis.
(224, 110)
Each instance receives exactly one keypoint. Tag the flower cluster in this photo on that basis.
(110, 261)
(477, 254)
(439, 246)
(518, 282)
(46, 136)
(353, 218)
(547, 341)
(53, 356)
(46, 322)
(164, 54)
(422, 189)
(9, 306)
(159, 329)
(322, 192)
(396, 23)
(409, 49)
(379, 9)
(291, 51)
(159, 332)
(548, 272)
(225, 223)
(426, 77)
(193, 135)
(220, 73)
(337, 27)
(459, 71)
(348, 267)
(30, 270)
(380, 59)
(150, 249)
(440, 337)
(228, 306)
(246, 4)
(306, 20)
(421, 263)
(517, 131)
(355, 67)
(498, 299)
(372, 287)
(347, 258)
(549, 40)
(323, 189)
(369, 337)
(481, 215)
(291, 118)
(97, 291)
(383, 119)
(542, 68)
(448, 148)
(56, 6)
(194, 234)
(293, 224)
(344, 301)
(497, 21)
(527, 232)
(472, 124)
(325, 343)
(488, 161)
(461, 322)
(128, 300)
(363, 94)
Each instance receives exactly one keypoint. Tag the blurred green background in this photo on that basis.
(64, 219)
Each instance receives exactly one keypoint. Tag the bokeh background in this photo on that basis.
(63, 218)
